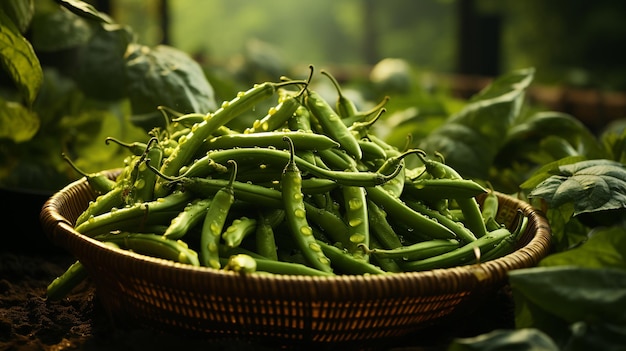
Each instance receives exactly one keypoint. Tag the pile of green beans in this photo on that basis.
(307, 189)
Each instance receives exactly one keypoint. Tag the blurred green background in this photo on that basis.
(575, 43)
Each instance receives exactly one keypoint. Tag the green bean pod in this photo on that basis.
(295, 215)
(380, 227)
(99, 182)
(442, 188)
(460, 256)
(139, 212)
(332, 124)
(102, 204)
(264, 233)
(461, 232)
(153, 245)
(346, 263)
(419, 222)
(214, 222)
(355, 204)
(469, 206)
(344, 106)
(66, 282)
(301, 139)
(189, 217)
(238, 230)
(417, 251)
(188, 145)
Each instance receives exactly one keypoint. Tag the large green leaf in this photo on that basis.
(606, 247)
(165, 76)
(59, 30)
(20, 11)
(17, 122)
(100, 70)
(471, 138)
(85, 10)
(562, 300)
(19, 59)
(591, 186)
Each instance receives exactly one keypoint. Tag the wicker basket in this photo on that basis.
(283, 310)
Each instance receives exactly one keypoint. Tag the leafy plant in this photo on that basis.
(76, 77)
(553, 161)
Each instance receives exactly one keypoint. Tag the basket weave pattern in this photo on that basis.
(283, 308)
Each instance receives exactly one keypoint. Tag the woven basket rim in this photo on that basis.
(55, 224)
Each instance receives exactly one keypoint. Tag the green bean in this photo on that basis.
(241, 263)
(360, 116)
(469, 206)
(301, 139)
(489, 209)
(264, 233)
(463, 234)
(263, 264)
(189, 144)
(332, 124)
(507, 245)
(331, 224)
(396, 208)
(295, 214)
(142, 188)
(100, 183)
(417, 251)
(344, 106)
(442, 188)
(214, 222)
(190, 216)
(139, 212)
(136, 148)
(346, 263)
(238, 230)
(66, 282)
(380, 227)
(460, 256)
(371, 150)
(153, 245)
(246, 155)
(355, 204)
(103, 203)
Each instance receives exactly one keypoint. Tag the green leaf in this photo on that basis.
(547, 170)
(19, 60)
(100, 70)
(553, 299)
(17, 122)
(19, 11)
(591, 186)
(165, 76)
(606, 247)
(528, 339)
(59, 30)
(85, 10)
(471, 138)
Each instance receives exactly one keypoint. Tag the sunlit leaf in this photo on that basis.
(606, 247)
(591, 186)
(19, 59)
(85, 10)
(17, 122)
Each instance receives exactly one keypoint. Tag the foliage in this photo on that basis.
(76, 78)
(579, 180)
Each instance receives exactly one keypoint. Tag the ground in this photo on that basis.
(28, 321)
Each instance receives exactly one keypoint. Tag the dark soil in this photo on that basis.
(28, 321)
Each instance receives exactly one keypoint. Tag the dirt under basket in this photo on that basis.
(281, 309)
